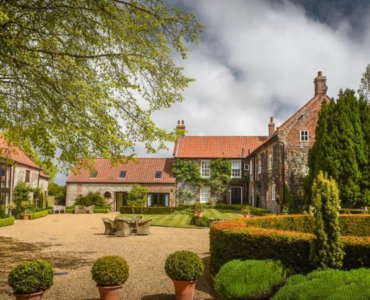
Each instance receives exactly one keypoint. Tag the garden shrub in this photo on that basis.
(101, 210)
(254, 210)
(249, 279)
(91, 198)
(39, 214)
(110, 270)
(329, 284)
(184, 266)
(70, 210)
(31, 277)
(236, 239)
(150, 210)
(6, 221)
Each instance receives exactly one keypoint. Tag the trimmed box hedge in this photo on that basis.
(247, 239)
(254, 210)
(6, 221)
(39, 214)
(150, 210)
(102, 210)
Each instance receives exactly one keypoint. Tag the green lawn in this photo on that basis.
(177, 220)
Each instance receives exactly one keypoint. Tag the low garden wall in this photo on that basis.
(286, 238)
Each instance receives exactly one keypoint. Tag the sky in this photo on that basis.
(259, 58)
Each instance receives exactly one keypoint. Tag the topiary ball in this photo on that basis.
(184, 266)
(31, 277)
(110, 270)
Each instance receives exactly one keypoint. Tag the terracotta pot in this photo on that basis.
(184, 289)
(110, 292)
(33, 296)
(25, 217)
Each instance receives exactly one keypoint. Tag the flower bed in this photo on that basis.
(270, 238)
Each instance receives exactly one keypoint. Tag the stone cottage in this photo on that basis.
(17, 167)
(115, 181)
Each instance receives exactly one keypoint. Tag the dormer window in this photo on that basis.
(304, 136)
(158, 174)
(122, 174)
(93, 174)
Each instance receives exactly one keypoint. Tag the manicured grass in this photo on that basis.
(179, 220)
(212, 213)
(171, 220)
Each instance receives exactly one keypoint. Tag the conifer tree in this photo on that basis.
(326, 249)
(340, 148)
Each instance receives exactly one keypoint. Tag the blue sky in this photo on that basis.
(258, 59)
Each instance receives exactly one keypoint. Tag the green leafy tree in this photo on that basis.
(340, 147)
(58, 191)
(364, 89)
(137, 196)
(21, 196)
(80, 79)
(326, 249)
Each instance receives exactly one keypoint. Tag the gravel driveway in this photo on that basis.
(72, 242)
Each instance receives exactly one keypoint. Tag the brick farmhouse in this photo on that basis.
(261, 166)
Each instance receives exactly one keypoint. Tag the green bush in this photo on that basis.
(237, 240)
(39, 214)
(329, 284)
(101, 210)
(254, 210)
(70, 210)
(249, 279)
(31, 277)
(150, 210)
(200, 221)
(184, 266)
(6, 221)
(91, 198)
(110, 270)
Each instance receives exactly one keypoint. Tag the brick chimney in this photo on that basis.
(181, 127)
(320, 84)
(271, 127)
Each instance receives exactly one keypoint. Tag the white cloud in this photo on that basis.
(257, 60)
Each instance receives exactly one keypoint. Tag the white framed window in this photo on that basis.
(205, 194)
(259, 166)
(246, 167)
(236, 169)
(269, 162)
(273, 192)
(205, 168)
(304, 136)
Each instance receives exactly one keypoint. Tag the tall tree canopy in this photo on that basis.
(364, 89)
(81, 78)
(342, 146)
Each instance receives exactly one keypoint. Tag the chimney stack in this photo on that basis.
(271, 127)
(320, 84)
(181, 127)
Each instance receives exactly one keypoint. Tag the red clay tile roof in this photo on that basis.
(140, 171)
(15, 154)
(216, 146)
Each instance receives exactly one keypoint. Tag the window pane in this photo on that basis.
(205, 194)
(236, 166)
(205, 168)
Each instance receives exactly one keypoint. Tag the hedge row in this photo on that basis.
(6, 221)
(233, 240)
(102, 210)
(254, 210)
(39, 214)
(354, 225)
(150, 210)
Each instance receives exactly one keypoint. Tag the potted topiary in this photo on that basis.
(109, 273)
(29, 280)
(246, 211)
(184, 268)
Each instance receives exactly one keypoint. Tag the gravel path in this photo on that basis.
(72, 242)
